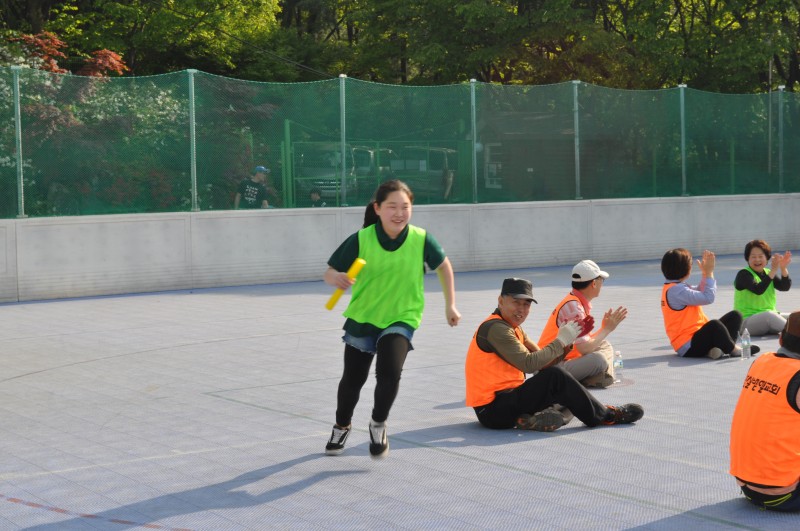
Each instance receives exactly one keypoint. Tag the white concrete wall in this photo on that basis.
(49, 258)
(8, 260)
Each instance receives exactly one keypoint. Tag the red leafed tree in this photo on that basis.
(45, 47)
(102, 63)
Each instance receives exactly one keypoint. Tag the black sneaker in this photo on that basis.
(335, 445)
(625, 414)
(737, 351)
(379, 442)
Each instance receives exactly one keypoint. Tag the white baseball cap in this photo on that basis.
(587, 270)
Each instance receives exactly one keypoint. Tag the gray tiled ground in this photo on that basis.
(210, 410)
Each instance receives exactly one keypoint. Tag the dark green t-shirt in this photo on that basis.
(347, 252)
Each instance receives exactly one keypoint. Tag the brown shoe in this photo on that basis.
(546, 420)
(598, 381)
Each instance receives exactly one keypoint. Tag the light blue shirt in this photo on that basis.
(682, 294)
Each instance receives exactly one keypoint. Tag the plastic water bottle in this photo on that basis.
(745, 344)
(738, 341)
(618, 364)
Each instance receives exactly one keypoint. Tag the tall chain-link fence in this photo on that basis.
(191, 141)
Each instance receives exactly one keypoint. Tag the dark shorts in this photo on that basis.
(782, 502)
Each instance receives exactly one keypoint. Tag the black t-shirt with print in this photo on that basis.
(252, 194)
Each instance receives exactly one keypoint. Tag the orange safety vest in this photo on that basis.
(551, 327)
(765, 432)
(680, 324)
(486, 372)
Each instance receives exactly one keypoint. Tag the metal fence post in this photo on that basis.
(15, 70)
(780, 138)
(682, 88)
(342, 125)
(473, 113)
(193, 141)
(576, 120)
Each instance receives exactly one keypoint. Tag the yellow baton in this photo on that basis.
(353, 272)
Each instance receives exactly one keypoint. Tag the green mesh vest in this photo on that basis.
(391, 287)
(749, 303)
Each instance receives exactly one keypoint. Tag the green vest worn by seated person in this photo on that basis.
(749, 303)
(391, 287)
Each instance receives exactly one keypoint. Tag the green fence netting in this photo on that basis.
(526, 143)
(72, 145)
(98, 146)
(8, 149)
(631, 143)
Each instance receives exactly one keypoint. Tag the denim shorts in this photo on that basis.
(369, 344)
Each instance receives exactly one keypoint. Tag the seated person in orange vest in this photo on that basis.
(500, 355)
(591, 359)
(765, 433)
(690, 332)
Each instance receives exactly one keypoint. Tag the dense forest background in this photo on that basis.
(736, 46)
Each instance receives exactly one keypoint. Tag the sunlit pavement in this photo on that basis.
(210, 409)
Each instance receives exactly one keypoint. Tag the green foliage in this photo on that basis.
(158, 37)
(635, 44)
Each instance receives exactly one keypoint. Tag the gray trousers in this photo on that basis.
(595, 369)
(764, 323)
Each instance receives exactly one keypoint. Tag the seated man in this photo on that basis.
(501, 353)
(591, 360)
(765, 433)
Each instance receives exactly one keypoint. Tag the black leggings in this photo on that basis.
(549, 386)
(392, 352)
(719, 333)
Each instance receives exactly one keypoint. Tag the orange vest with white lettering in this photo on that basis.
(486, 372)
(680, 324)
(765, 432)
(551, 327)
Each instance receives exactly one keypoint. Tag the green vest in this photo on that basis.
(749, 303)
(391, 286)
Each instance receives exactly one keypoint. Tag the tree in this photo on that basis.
(638, 44)
(28, 16)
(157, 37)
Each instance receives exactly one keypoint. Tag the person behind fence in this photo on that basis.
(385, 308)
(765, 430)
(591, 359)
(315, 198)
(501, 354)
(252, 192)
(756, 285)
(691, 333)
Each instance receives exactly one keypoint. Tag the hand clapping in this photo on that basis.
(613, 318)
(707, 263)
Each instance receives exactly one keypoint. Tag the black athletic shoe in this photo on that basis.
(379, 442)
(737, 351)
(625, 414)
(339, 436)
